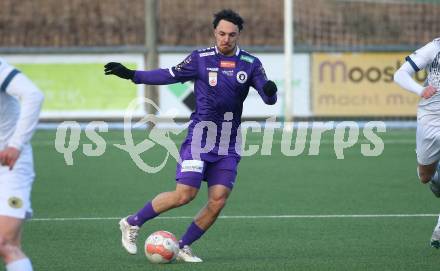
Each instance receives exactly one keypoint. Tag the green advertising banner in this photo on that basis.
(79, 87)
(75, 85)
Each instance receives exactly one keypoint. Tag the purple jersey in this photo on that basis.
(221, 84)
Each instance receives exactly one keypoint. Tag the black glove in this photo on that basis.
(270, 88)
(119, 70)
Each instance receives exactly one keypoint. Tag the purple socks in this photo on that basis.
(193, 233)
(143, 215)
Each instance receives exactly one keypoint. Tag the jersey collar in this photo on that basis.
(237, 52)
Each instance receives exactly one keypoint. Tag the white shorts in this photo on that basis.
(16, 186)
(428, 144)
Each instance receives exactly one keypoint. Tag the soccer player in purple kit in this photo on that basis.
(222, 77)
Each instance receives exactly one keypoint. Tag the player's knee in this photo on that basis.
(424, 177)
(185, 198)
(217, 204)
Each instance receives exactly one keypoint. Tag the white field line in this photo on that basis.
(245, 217)
(255, 142)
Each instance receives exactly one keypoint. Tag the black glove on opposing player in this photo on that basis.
(270, 88)
(119, 70)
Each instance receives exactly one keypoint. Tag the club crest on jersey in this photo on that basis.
(212, 78)
(242, 77)
(15, 203)
(227, 64)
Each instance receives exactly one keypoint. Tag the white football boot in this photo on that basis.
(129, 236)
(186, 255)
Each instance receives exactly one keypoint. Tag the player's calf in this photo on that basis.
(216, 205)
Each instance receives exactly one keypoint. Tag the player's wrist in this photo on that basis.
(130, 74)
(15, 145)
(270, 89)
(125, 73)
(420, 91)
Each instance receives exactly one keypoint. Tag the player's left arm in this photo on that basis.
(185, 71)
(31, 101)
(267, 89)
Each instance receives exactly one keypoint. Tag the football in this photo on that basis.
(161, 247)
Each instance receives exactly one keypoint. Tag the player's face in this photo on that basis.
(226, 37)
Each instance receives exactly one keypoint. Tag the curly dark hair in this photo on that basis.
(230, 16)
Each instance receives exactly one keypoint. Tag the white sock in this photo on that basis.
(20, 265)
(438, 223)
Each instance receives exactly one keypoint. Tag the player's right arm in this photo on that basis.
(185, 71)
(414, 63)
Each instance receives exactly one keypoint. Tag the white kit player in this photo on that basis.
(428, 116)
(20, 105)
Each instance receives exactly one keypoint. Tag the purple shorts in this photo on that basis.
(214, 169)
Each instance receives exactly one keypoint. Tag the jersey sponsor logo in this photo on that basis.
(212, 69)
(247, 58)
(228, 72)
(242, 77)
(212, 77)
(192, 166)
(15, 203)
(207, 54)
(227, 64)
